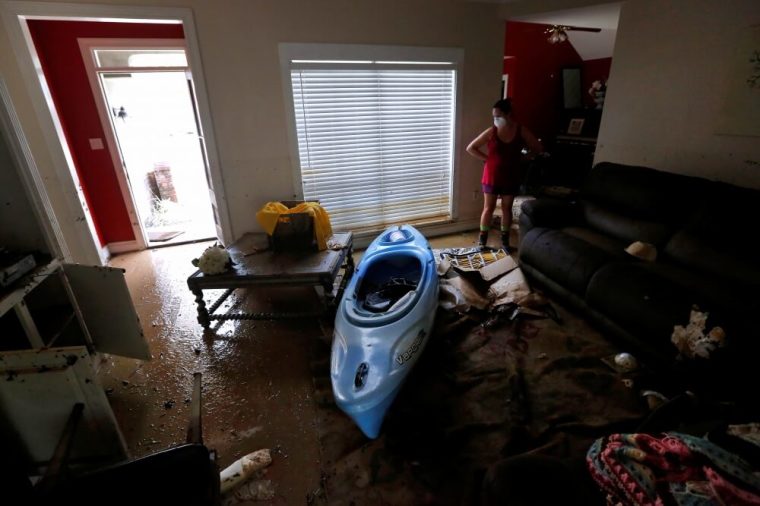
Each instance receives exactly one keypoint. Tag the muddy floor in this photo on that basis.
(258, 387)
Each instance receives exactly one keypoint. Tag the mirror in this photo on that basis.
(571, 88)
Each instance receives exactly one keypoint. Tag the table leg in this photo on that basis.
(350, 259)
(348, 271)
(203, 318)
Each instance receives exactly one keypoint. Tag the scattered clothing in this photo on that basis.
(671, 468)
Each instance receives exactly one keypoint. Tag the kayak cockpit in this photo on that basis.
(389, 286)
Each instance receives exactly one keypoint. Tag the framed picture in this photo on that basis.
(576, 126)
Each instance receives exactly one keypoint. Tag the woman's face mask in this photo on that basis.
(499, 121)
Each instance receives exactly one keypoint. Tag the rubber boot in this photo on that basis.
(483, 238)
(505, 241)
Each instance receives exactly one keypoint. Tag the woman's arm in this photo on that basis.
(534, 146)
(481, 140)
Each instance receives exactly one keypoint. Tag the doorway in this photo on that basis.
(146, 101)
(96, 212)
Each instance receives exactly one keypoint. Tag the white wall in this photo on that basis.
(239, 47)
(667, 84)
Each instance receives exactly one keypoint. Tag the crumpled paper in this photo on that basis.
(512, 288)
(693, 341)
(460, 295)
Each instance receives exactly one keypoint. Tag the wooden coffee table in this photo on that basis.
(257, 266)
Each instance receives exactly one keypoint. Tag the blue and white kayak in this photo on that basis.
(382, 325)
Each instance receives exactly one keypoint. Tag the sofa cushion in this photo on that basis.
(721, 240)
(548, 212)
(640, 301)
(568, 260)
(710, 290)
(625, 228)
(643, 193)
(609, 244)
(649, 299)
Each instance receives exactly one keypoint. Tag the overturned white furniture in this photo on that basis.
(54, 323)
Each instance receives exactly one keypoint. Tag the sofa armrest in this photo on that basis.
(547, 213)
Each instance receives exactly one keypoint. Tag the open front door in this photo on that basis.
(107, 310)
(212, 194)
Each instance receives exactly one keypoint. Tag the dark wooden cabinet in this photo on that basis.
(572, 149)
(572, 157)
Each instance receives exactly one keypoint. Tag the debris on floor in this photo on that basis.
(489, 282)
(460, 295)
(443, 265)
(493, 270)
(257, 490)
(693, 340)
(512, 288)
(243, 469)
(470, 259)
(477, 395)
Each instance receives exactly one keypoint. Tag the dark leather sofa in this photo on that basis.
(707, 238)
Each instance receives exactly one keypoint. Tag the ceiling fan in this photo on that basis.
(558, 33)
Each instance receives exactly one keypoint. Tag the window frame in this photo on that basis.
(340, 52)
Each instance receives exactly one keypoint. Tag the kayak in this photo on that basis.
(382, 325)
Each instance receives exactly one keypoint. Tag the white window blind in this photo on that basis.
(376, 144)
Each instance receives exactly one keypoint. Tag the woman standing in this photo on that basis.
(502, 172)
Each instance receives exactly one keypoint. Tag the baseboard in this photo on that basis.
(122, 247)
(364, 238)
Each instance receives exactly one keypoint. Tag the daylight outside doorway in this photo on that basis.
(147, 94)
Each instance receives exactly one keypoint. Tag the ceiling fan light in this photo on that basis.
(554, 37)
(562, 36)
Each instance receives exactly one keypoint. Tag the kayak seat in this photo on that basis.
(386, 281)
(387, 295)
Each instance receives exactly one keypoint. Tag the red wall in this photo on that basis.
(594, 70)
(58, 49)
(536, 75)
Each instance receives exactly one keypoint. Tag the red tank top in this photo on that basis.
(503, 168)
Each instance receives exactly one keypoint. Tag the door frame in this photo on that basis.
(15, 13)
(86, 46)
(10, 128)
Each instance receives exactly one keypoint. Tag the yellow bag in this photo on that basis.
(270, 214)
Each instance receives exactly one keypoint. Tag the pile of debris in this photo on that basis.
(243, 480)
(488, 285)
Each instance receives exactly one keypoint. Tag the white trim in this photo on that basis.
(86, 47)
(15, 13)
(363, 239)
(457, 150)
(204, 111)
(453, 58)
(115, 248)
(93, 12)
(88, 250)
(104, 254)
(30, 175)
(132, 43)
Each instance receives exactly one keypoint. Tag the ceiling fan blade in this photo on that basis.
(581, 29)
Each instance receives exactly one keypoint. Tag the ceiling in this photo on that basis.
(589, 46)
